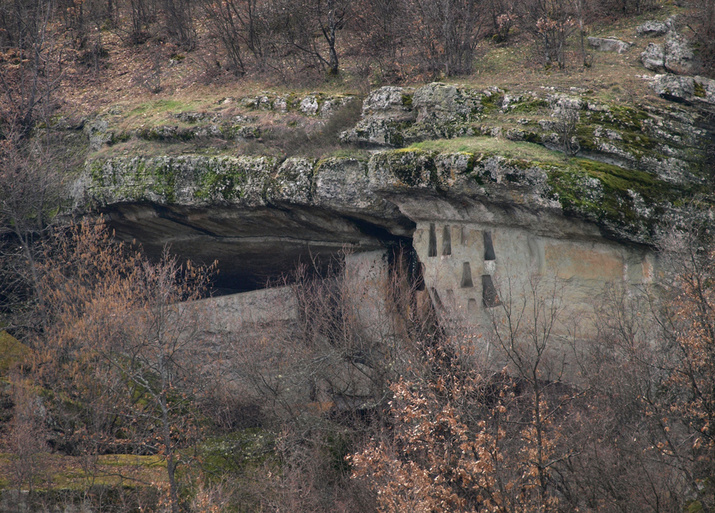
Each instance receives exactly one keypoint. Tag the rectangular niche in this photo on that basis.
(451, 302)
(488, 247)
(466, 276)
(490, 298)
(432, 247)
(471, 306)
(446, 241)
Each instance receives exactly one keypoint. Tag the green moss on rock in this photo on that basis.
(529, 105)
(412, 168)
(618, 199)
(169, 180)
(699, 91)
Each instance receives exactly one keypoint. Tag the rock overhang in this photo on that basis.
(259, 226)
(254, 212)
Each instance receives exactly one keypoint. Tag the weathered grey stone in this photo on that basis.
(280, 104)
(653, 57)
(515, 134)
(384, 112)
(389, 101)
(563, 101)
(444, 103)
(194, 117)
(265, 103)
(684, 89)
(609, 44)
(343, 183)
(674, 87)
(394, 116)
(332, 105)
(309, 105)
(97, 132)
(292, 182)
(654, 28)
(679, 55)
(185, 180)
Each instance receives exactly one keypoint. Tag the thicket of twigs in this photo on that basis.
(372, 401)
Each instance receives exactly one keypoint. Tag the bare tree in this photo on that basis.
(446, 33)
(28, 84)
(241, 26)
(26, 440)
(179, 22)
(118, 338)
(30, 196)
(551, 22)
(310, 29)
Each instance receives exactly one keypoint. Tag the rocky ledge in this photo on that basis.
(257, 214)
(562, 164)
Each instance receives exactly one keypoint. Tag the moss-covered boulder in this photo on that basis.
(189, 180)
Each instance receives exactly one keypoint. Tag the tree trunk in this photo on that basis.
(170, 462)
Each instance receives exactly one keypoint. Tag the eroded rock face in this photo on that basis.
(472, 266)
(609, 44)
(653, 57)
(396, 116)
(635, 138)
(654, 28)
(260, 215)
(685, 89)
(679, 55)
(675, 55)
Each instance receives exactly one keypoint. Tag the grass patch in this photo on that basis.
(133, 460)
(11, 351)
(239, 452)
(61, 472)
(154, 113)
(157, 106)
(502, 147)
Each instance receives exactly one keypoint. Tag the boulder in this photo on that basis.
(654, 28)
(673, 87)
(98, 133)
(395, 116)
(444, 103)
(388, 102)
(384, 111)
(609, 44)
(684, 89)
(653, 57)
(675, 55)
(679, 56)
(309, 105)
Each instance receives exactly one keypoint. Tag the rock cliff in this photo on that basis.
(437, 153)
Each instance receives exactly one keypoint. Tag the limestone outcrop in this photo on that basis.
(259, 216)
(396, 116)
(609, 44)
(675, 55)
(659, 142)
(685, 89)
(503, 173)
(652, 28)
